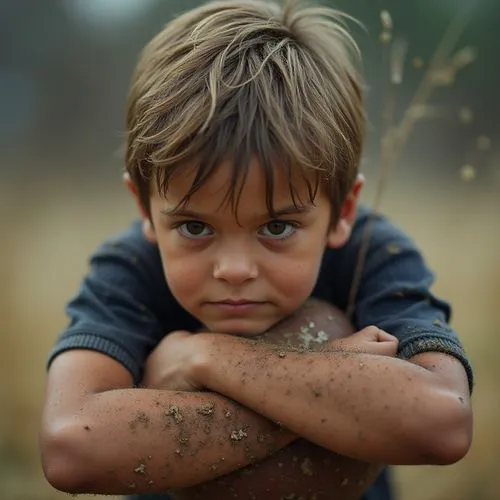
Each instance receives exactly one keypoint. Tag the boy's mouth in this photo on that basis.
(236, 306)
(237, 302)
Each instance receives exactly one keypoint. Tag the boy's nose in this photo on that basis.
(235, 268)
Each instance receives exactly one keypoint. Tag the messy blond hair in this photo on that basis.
(237, 80)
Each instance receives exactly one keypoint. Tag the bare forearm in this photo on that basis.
(372, 408)
(139, 440)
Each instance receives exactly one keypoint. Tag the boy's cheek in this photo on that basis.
(185, 278)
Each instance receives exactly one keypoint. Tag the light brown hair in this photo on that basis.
(237, 80)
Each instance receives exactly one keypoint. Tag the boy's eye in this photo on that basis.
(194, 229)
(278, 229)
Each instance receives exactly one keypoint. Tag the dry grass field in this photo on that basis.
(48, 232)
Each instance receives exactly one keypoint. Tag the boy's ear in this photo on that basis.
(147, 226)
(341, 232)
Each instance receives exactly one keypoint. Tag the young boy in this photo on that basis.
(245, 129)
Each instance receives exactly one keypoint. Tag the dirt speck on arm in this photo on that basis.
(175, 412)
(140, 469)
(238, 435)
(183, 439)
(262, 438)
(207, 409)
(306, 467)
(141, 419)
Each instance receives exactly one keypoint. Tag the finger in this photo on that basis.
(369, 333)
(376, 334)
(383, 336)
(357, 341)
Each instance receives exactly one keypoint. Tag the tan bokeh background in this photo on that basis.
(60, 196)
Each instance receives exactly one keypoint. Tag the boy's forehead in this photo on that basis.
(251, 192)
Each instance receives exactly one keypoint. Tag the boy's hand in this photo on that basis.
(168, 367)
(370, 340)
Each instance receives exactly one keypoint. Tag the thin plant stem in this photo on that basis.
(395, 138)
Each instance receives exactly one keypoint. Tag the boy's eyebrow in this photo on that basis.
(292, 210)
(287, 210)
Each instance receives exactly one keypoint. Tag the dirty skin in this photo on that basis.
(302, 470)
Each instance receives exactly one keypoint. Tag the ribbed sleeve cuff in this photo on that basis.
(99, 344)
(438, 344)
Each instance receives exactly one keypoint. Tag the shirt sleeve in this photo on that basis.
(395, 295)
(123, 307)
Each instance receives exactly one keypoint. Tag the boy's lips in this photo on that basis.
(236, 306)
(237, 302)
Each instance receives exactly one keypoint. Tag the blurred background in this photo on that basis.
(65, 66)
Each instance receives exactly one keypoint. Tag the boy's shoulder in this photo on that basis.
(379, 227)
(371, 232)
(379, 248)
(130, 240)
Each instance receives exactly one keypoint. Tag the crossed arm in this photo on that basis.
(373, 408)
(100, 435)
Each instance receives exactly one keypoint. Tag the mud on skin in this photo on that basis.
(302, 470)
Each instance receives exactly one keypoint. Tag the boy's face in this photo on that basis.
(242, 273)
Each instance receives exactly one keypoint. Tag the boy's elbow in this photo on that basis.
(63, 463)
(448, 435)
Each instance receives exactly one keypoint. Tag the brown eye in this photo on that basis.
(194, 229)
(278, 229)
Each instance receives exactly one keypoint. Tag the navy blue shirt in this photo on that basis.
(124, 306)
